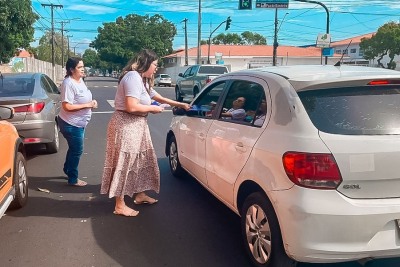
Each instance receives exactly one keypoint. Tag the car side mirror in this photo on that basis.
(180, 74)
(178, 111)
(6, 113)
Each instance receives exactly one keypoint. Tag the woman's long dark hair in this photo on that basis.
(141, 63)
(71, 64)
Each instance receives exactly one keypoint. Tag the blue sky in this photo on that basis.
(299, 24)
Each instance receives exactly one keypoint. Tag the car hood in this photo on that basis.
(367, 163)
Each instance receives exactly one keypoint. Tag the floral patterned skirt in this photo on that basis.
(131, 163)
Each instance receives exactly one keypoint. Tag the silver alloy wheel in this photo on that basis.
(258, 234)
(173, 156)
(22, 179)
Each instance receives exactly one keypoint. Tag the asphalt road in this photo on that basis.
(72, 226)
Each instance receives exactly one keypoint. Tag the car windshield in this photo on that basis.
(16, 86)
(369, 110)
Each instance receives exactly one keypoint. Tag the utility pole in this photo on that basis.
(68, 44)
(186, 43)
(275, 39)
(62, 42)
(52, 6)
(199, 34)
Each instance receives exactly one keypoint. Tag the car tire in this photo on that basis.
(178, 95)
(261, 233)
(20, 182)
(195, 92)
(173, 158)
(54, 146)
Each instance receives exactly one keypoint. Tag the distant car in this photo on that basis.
(13, 176)
(35, 99)
(311, 166)
(163, 79)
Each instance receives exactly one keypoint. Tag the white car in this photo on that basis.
(163, 79)
(312, 167)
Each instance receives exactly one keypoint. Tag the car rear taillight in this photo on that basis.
(383, 82)
(30, 108)
(312, 170)
(208, 80)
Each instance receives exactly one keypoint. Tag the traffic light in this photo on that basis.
(244, 4)
(228, 23)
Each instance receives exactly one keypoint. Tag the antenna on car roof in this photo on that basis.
(341, 58)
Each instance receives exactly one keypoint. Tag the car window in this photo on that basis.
(187, 72)
(45, 85)
(164, 76)
(368, 110)
(213, 69)
(245, 103)
(206, 103)
(53, 86)
(193, 70)
(16, 86)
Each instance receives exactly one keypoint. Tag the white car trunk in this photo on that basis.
(368, 164)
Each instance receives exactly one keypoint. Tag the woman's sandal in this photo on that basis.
(145, 200)
(127, 212)
(79, 183)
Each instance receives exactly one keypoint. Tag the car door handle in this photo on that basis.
(240, 148)
(202, 137)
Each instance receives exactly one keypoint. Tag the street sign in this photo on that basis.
(323, 40)
(327, 51)
(245, 4)
(272, 3)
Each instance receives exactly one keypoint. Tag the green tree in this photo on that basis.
(250, 38)
(117, 42)
(245, 38)
(16, 30)
(386, 42)
(90, 58)
(44, 50)
(227, 39)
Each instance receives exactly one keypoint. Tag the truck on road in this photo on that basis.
(193, 80)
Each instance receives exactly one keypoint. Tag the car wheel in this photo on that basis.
(20, 181)
(195, 91)
(261, 233)
(55, 145)
(178, 95)
(174, 163)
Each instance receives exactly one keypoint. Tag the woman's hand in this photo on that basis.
(94, 104)
(156, 109)
(186, 106)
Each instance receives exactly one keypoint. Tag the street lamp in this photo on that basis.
(327, 16)
(228, 24)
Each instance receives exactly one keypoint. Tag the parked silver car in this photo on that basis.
(35, 99)
(306, 155)
(163, 79)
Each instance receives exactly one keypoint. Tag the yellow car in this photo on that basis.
(13, 176)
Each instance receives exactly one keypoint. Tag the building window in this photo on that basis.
(345, 52)
(338, 51)
(353, 51)
(361, 53)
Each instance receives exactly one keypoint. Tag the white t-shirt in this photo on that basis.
(74, 92)
(237, 114)
(132, 85)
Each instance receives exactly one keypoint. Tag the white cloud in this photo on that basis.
(92, 10)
